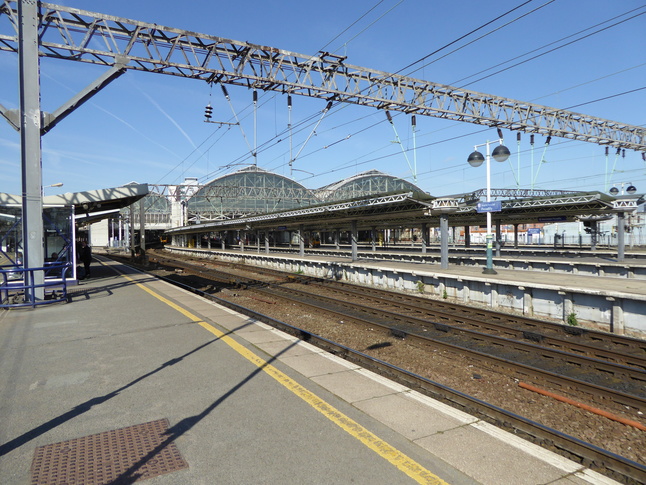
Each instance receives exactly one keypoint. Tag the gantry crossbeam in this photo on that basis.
(73, 34)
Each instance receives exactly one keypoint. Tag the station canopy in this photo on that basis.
(411, 209)
(89, 206)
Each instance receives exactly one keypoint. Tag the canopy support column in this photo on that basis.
(354, 236)
(444, 241)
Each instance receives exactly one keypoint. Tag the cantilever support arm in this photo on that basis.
(11, 115)
(50, 120)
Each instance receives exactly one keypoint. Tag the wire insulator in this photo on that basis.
(224, 91)
(531, 139)
(518, 136)
(549, 139)
(208, 112)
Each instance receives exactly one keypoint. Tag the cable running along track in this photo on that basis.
(613, 374)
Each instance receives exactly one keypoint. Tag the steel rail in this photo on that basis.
(603, 461)
(505, 324)
(594, 391)
(629, 344)
(618, 361)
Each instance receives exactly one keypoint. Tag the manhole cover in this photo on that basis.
(123, 455)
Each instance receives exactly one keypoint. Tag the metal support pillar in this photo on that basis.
(142, 226)
(467, 236)
(373, 238)
(30, 125)
(621, 224)
(132, 230)
(444, 241)
(425, 238)
(267, 242)
(337, 239)
(498, 238)
(301, 240)
(516, 236)
(354, 236)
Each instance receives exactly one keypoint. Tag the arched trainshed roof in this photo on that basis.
(364, 184)
(248, 191)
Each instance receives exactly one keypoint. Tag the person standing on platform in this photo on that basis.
(85, 256)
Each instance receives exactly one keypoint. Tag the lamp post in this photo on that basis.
(500, 154)
(59, 184)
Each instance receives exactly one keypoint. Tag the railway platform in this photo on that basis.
(136, 379)
(608, 303)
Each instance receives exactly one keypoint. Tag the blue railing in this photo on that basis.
(14, 292)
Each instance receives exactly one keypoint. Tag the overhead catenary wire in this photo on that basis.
(554, 49)
(398, 141)
(313, 132)
(292, 158)
(300, 151)
(484, 35)
(539, 48)
(463, 36)
(352, 25)
(370, 25)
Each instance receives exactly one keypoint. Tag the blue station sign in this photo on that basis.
(552, 219)
(492, 206)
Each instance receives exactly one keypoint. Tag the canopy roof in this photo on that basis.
(94, 204)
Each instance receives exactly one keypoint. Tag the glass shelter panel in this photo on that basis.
(58, 224)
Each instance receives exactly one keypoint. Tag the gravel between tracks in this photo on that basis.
(451, 369)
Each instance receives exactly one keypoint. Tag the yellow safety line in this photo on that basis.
(407, 465)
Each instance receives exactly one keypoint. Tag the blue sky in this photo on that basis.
(149, 128)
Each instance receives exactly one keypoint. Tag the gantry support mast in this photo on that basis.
(39, 29)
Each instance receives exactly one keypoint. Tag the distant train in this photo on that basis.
(312, 242)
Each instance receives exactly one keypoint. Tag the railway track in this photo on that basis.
(600, 380)
(590, 354)
(625, 350)
(602, 364)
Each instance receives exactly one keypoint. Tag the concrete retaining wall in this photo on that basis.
(610, 311)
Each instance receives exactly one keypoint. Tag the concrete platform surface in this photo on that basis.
(244, 403)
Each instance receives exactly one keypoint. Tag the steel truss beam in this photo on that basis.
(552, 204)
(73, 34)
(513, 194)
(348, 208)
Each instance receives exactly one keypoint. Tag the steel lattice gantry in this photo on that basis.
(410, 209)
(73, 34)
(35, 29)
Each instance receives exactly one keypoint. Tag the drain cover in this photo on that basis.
(123, 455)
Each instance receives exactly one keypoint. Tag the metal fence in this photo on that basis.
(17, 288)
